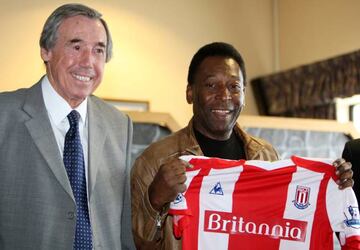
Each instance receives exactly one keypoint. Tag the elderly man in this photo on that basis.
(216, 88)
(64, 169)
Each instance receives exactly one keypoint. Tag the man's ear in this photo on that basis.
(45, 54)
(189, 94)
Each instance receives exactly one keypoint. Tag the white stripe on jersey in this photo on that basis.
(291, 212)
(223, 203)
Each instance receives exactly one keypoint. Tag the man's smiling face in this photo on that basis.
(75, 64)
(217, 95)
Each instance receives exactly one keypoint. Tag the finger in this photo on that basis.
(338, 162)
(343, 168)
(187, 164)
(182, 188)
(346, 183)
(180, 170)
(346, 175)
(172, 166)
(181, 179)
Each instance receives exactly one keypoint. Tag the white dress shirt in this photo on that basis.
(58, 109)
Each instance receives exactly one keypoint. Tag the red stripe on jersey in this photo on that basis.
(260, 183)
(213, 163)
(352, 242)
(190, 239)
(321, 234)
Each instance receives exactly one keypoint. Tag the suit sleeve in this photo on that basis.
(127, 240)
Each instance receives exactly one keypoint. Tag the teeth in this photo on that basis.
(82, 78)
(220, 111)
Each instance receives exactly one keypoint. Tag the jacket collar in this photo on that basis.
(193, 146)
(40, 130)
(252, 147)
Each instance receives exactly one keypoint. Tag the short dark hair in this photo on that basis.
(214, 49)
(49, 33)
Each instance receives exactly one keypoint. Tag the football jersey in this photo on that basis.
(290, 204)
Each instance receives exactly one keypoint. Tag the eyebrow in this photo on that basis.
(77, 40)
(236, 77)
(231, 76)
(101, 44)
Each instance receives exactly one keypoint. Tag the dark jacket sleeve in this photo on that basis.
(351, 154)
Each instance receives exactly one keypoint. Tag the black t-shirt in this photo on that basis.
(232, 148)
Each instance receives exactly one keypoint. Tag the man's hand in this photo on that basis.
(168, 183)
(344, 172)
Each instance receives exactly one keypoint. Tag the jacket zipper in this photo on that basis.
(157, 235)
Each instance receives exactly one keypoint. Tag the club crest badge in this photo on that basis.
(352, 217)
(302, 196)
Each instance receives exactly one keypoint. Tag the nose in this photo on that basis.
(86, 58)
(223, 93)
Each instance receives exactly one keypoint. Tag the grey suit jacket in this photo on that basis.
(37, 207)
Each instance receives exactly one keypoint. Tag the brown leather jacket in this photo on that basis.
(145, 219)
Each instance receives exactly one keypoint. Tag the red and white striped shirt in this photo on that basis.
(289, 204)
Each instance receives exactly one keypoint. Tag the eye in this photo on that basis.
(99, 50)
(235, 87)
(77, 47)
(210, 85)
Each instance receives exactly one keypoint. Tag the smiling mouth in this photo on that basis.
(221, 111)
(82, 78)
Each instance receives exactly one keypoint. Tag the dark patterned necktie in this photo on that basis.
(75, 168)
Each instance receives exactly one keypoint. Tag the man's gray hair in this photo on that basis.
(49, 33)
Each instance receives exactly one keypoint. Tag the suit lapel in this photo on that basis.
(97, 136)
(42, 134)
